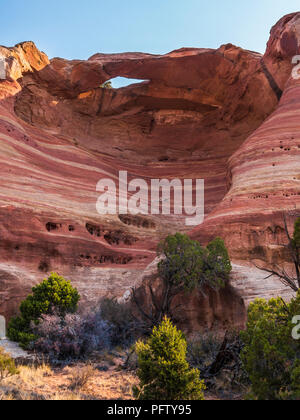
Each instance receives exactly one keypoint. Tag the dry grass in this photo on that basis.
(75, 383)
(80, 382)
(81, 376)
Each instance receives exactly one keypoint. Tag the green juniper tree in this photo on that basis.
(164, 372)
(53, 295)
(271, 355)
(185, 266)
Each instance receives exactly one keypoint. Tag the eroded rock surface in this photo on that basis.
(264, 173)
(61, 132)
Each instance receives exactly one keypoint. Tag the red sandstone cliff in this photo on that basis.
(264, 173)
(199, 114)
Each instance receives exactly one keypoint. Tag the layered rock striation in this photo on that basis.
(264, 173)
(228, 116)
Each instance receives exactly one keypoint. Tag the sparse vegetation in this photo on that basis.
(126, 329)
(85, 347)
(72, 337)
(107, 85)
(81, 376)
(7, 366)
(219, 362)
(44, 383)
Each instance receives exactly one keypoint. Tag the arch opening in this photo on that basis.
(121, 82)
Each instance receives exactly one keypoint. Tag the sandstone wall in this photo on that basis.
(199, 113)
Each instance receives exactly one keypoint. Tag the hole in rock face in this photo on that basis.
(107, 259)
(44, 266)
(164, 159)
(94, 230)
(138, 221)
(120, 82)
(117, 237)
(50, 226)
(259, 252)
(112, 237)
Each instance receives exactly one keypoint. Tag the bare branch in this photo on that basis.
(283, 277)
(281, 273)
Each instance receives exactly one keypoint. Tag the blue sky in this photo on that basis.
(78, 29)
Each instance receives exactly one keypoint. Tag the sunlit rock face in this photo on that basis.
(198, 115)
(264, 173)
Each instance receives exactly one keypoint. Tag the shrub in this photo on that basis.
(107, 85)
(219, 361)
(187, 264)
(271, 356)
(217, 265)
(164, 372)
(131, 362)
(80, 377)
(203, 350)
(73, 336)
(19, 331)
(125, 328)
(54, 294)
(7, 366)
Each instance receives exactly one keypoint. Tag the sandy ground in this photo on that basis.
(44, 383)
(103, 380)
